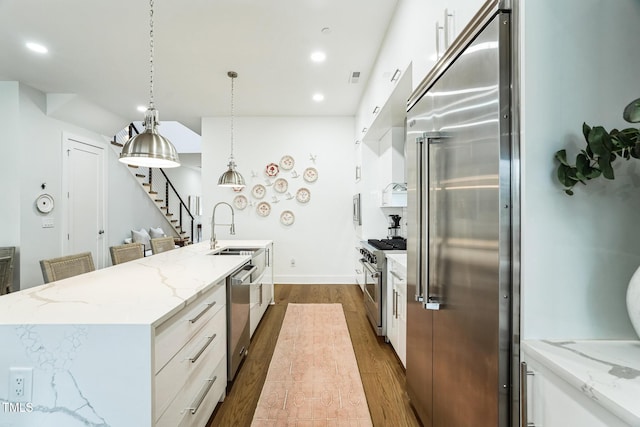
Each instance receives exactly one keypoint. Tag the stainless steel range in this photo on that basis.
(374, 264)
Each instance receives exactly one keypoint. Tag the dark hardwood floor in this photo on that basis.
(382, 374)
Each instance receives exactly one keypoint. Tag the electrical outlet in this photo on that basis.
(20, 384)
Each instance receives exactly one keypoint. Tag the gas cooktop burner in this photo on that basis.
(389, 244)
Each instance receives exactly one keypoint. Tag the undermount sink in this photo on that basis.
(234, 251)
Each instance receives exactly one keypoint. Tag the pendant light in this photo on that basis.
(149, 148)
(231, 178)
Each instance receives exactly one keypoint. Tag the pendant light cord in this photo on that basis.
(151, 54)
(232, 106)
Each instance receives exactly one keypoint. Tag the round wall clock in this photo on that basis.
(44, 203)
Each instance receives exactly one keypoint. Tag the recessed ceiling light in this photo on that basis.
(318, 56)
(37, 47)
(318, 97)
(141, 108)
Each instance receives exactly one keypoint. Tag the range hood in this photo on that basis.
(395, 195)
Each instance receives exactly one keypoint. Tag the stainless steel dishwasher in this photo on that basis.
(238, 309)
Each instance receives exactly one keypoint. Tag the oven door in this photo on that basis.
(373, 295)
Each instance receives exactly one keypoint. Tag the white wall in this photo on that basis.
(580, 63)
(320, 240)
(10, 170)
(34, 156)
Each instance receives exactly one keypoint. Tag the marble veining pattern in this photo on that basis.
(607, 372)
(86, 336)
(59, 392)
(143, 291)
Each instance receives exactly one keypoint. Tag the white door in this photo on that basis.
(84, 188)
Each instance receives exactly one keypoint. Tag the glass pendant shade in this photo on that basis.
(149, 148)
(231, 178)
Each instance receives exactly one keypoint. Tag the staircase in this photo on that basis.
(160, 190)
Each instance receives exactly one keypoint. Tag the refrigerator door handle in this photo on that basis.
(419, 296)
(432, 253)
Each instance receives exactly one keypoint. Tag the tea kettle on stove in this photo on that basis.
(394, 226)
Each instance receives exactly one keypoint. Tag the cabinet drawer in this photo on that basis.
(204, 350)
(196, 401)
(173, 334)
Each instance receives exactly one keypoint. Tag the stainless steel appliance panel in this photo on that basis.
(238, 311)
(419, 321)
(373, 296)
(458, 262)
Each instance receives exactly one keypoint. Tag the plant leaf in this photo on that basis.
(586, 130)
(594, 139)
(561, 156)
(605, 167)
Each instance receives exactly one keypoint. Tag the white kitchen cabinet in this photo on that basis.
(154, 327)
(397, 307)
(573, 383)
(261, 294)
(190, 363)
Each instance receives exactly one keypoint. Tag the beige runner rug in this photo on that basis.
(313, 377)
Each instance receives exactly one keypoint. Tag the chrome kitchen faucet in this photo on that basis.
(213, 223)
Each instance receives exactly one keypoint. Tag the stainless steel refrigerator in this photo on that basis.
(460, 325)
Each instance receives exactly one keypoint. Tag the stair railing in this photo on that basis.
(162, 188)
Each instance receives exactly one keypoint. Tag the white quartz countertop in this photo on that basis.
(143, 291)
(607, 372)
(399, 258)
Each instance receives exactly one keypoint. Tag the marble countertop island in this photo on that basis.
(87, 347)
(143, 291)
(608, 372)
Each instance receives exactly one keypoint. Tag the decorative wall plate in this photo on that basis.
(287, 163)
(281, 185)
(240, 202)
(237, 189)
(258, 191)
(287, 218)
(303, 195)
(263, 209)
(44, 203)
(272, 169)
(310, 174)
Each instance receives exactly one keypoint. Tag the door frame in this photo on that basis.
(68, 140)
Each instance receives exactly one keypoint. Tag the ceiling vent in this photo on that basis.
(354, 77)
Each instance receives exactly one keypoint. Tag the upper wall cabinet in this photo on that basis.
(449, 19)
(381, 87)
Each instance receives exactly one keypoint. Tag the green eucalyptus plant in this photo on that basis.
(603, 148)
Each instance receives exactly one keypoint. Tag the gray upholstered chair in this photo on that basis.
(126, 252)
(67, 266)
(162, 244)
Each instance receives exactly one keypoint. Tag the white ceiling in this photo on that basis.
(99, 50)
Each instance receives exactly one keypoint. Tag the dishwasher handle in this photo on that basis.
(241, 276)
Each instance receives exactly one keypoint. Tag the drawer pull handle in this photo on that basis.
(199, 315)
(204, 347)
(203, 393)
